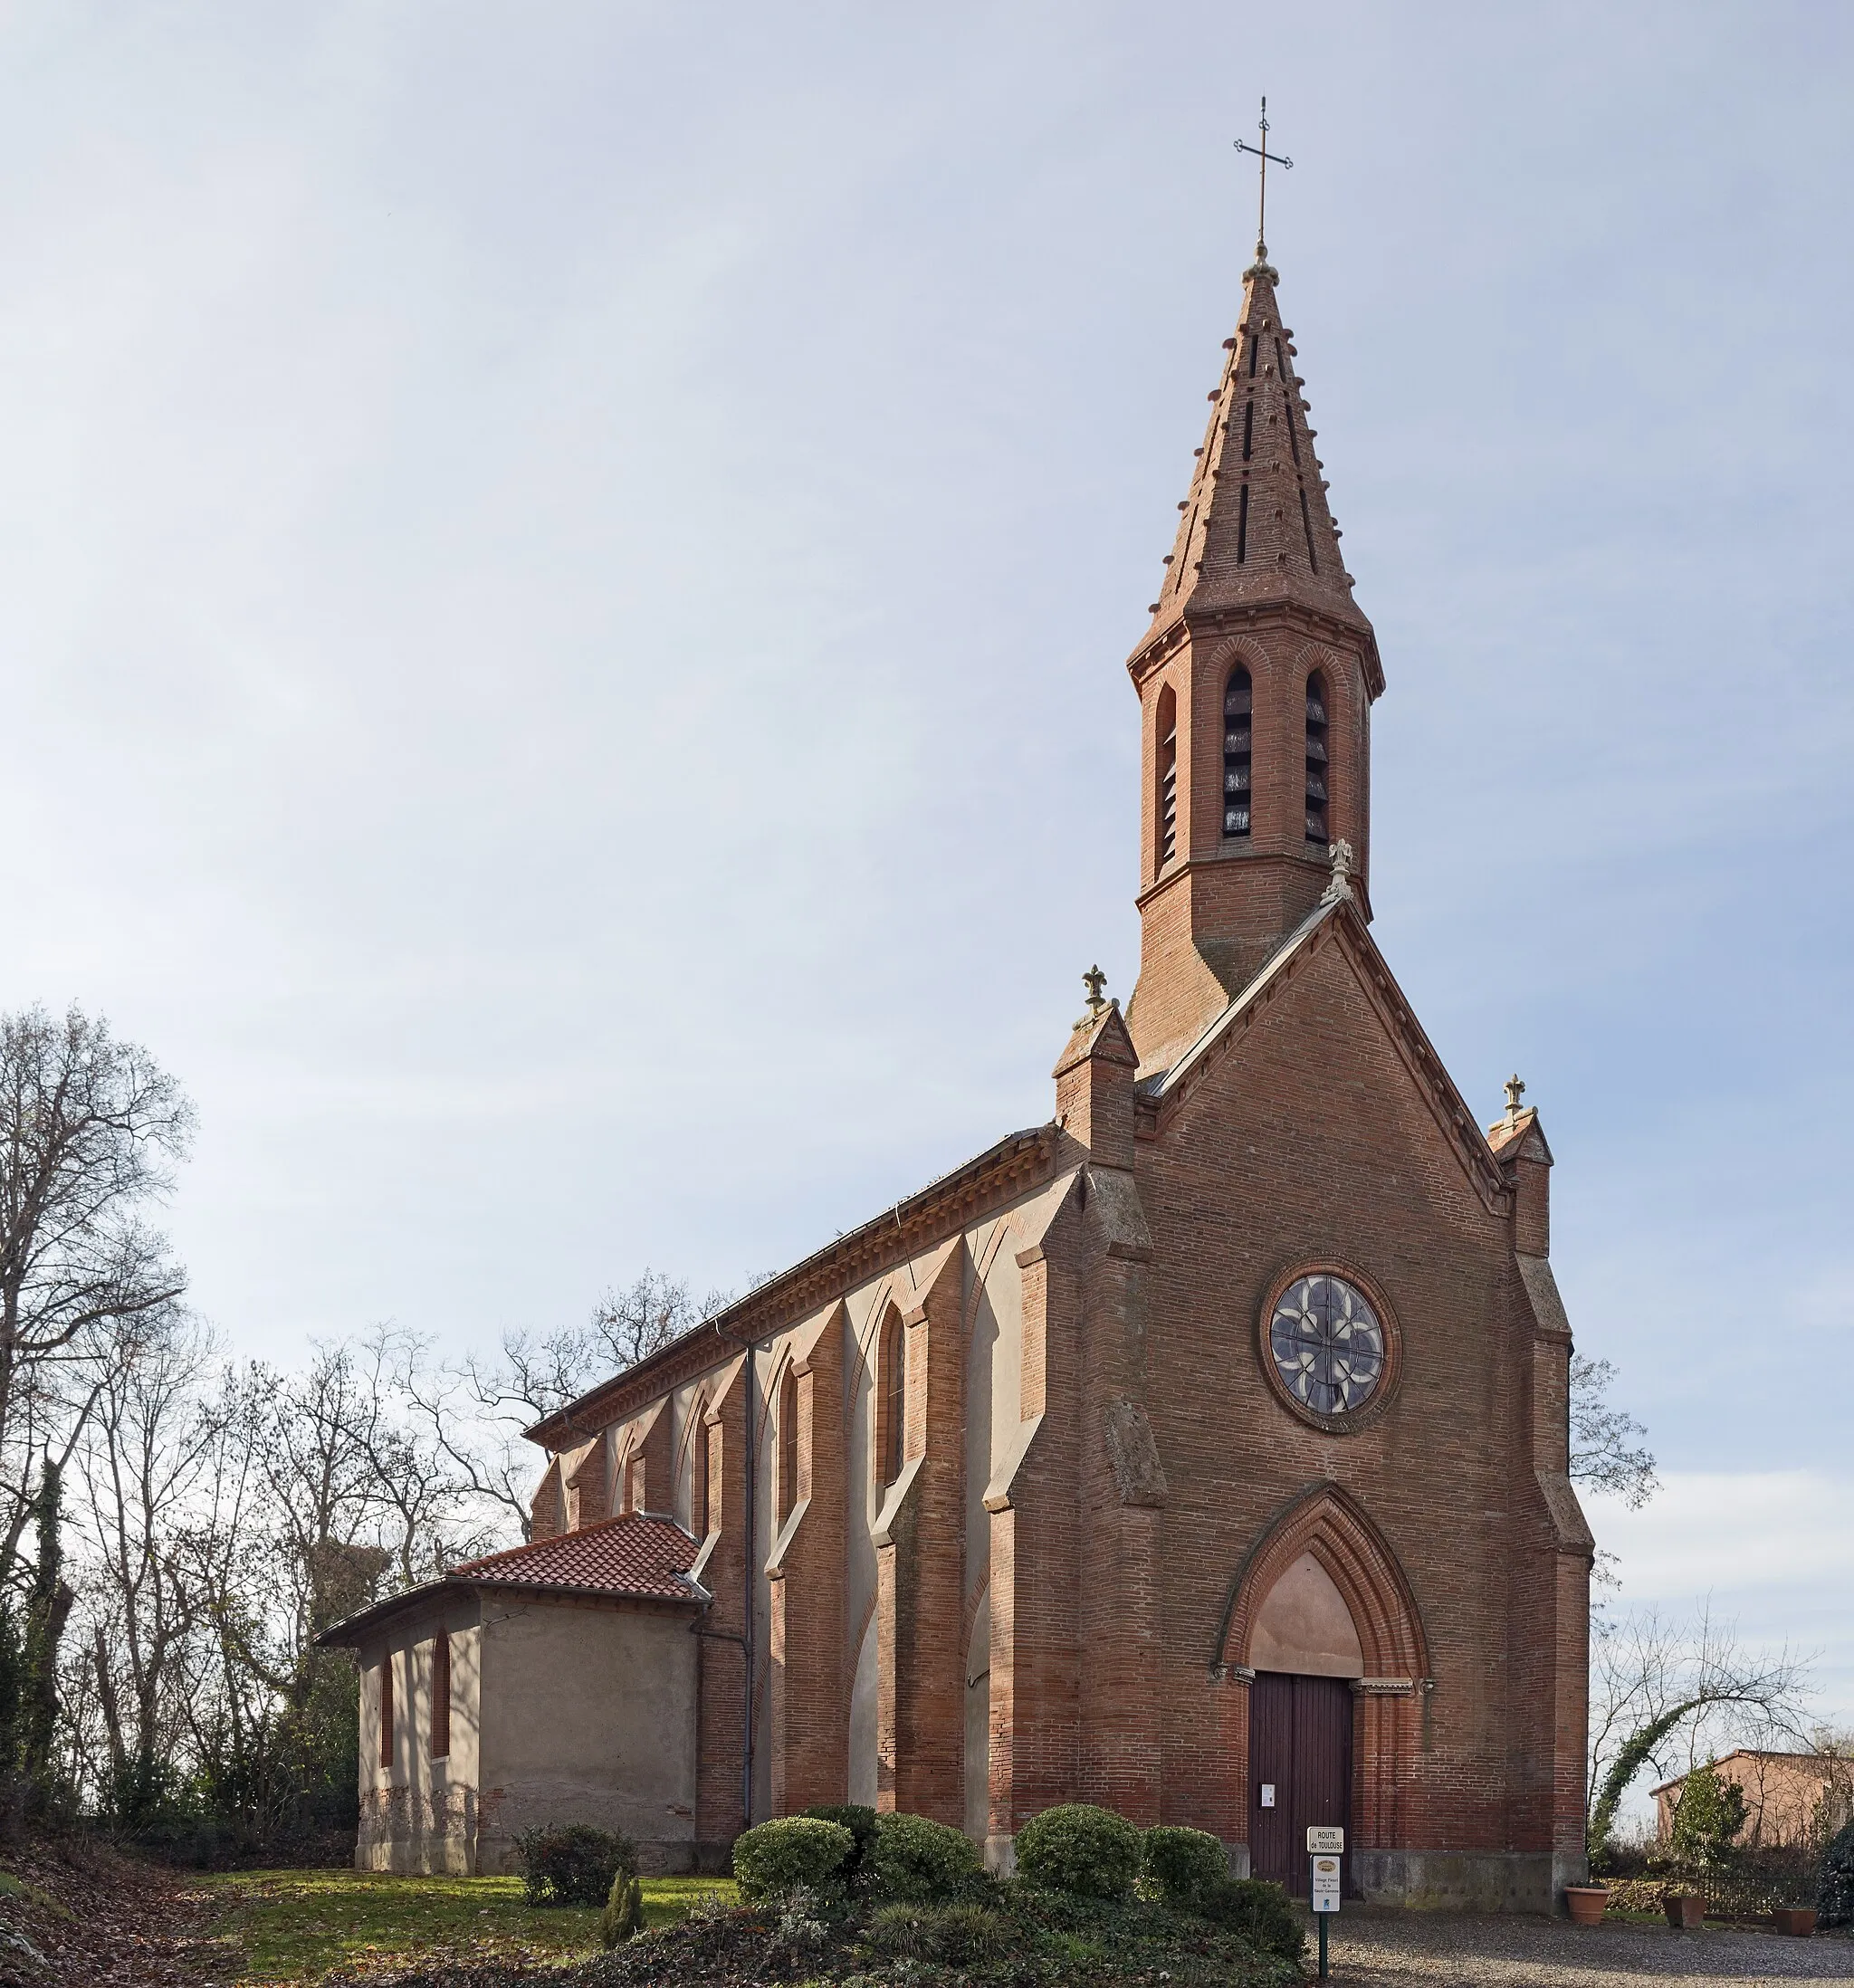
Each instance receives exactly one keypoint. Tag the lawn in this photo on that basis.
(296, 1926)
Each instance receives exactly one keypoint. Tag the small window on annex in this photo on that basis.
(387, 1709)
(440, 1695)
(1239, 757)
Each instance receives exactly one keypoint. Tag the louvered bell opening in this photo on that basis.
(1168, 802)
(1316, 760)
(1238, 703)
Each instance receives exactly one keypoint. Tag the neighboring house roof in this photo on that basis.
(636, 1557)
(1819, 1763)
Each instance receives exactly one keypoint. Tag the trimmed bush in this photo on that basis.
(1183, 1866)
(858, 1821)
(1260, 1912)
(624, 1911)
(775, 1858)
(924, 1862)
(1080, 1848)
(574, 1865)
(1836, 1902)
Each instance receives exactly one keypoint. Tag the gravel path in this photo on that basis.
(1398, 1949)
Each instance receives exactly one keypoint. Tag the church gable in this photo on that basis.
(1331, 979)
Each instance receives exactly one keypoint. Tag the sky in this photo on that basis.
(565, 576)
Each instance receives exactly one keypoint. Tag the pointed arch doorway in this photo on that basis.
(1323, 1628)
(1305, 1652)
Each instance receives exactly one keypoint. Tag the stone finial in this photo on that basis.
(1094, 980)
(1515, 1090)
(1340, 882)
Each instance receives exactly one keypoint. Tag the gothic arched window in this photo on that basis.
(788, 1444)
(1165, 787)
(892, 1421)
(698, 1471)
(1238, 758)
(1318, 773)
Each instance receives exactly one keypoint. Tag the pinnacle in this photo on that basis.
(1257, 526)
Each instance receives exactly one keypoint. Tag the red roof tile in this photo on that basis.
(632, 1554)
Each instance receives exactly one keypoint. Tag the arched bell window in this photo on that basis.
(1238, 758)
(891, 1435)
(1165, 784)
(788, 1444)
(1319, 773)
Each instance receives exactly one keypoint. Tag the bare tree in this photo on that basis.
(1661, 1689)
(91, 1129)
(1605, 1454)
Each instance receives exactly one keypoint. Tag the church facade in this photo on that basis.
(1201, 1452)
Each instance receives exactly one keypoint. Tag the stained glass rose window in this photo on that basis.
(1328, 1345)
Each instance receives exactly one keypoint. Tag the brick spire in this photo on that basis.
(1256, 682)
(1257, 526)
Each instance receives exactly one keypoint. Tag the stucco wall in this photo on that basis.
(420, 1813)
(589, 1717)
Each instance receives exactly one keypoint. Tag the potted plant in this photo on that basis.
(1797, 1921)
(1585, 1903)
(1686, 1909)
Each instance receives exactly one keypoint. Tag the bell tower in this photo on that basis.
(1256, 681)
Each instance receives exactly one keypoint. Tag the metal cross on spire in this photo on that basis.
(1264, 155)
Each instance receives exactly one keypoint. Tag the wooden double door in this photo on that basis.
(1300, 1772)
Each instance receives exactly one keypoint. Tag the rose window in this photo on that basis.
(1328, 1345)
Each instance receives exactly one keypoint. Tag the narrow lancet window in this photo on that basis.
(698, 1472)
(1166, 787)
(788, 1445)
(1319, 771)
(893, 1434)
(1248, 430)
(1238, 758)
(1242, 528)
(387, 1709)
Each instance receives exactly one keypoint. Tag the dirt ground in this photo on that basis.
(1386, 1949)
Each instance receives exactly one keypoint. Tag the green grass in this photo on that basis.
(296, 1926)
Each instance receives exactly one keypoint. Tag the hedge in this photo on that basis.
(1080, 1848)
(775, 1858)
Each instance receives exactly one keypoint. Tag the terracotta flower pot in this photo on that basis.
(1797, 1921)
(1585, 1903)
(1683, 1908)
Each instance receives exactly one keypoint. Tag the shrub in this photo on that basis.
(858, 1821)
(624, 1911)
(922, 1861)
(1709, 1815)
(773, 1857)
(1075, 1847)
(1836, 1902)
(574, 1865)
(1183, 1866)
(1258, 1911)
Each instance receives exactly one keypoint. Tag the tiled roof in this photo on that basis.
(634, 1555)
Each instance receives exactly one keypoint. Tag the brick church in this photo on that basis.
(1201, 1452)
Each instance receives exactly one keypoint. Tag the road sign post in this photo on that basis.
(1326, 1860)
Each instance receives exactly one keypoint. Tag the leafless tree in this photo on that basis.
(91, 1129)
(1670, 1695)
(1605, 1452)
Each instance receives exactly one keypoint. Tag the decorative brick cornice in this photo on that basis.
(997, 1176)
(1349, 633)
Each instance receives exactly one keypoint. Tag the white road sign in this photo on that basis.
(1325, 1889)
(1325, 1839)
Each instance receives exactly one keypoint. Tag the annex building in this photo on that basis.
(1201, 1451)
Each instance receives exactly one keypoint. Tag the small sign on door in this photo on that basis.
(1326, 1888)
(1267, 1795)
